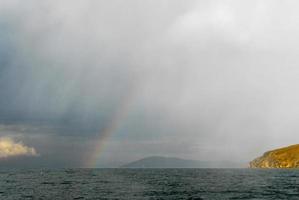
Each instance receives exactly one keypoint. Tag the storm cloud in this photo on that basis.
(206, 80)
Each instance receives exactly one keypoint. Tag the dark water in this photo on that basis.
(149, 184)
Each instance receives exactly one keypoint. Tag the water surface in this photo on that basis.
(149, 184)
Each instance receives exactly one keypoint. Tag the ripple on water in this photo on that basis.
(150, 184)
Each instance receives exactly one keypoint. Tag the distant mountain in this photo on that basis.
(286, 157)
(172, 162)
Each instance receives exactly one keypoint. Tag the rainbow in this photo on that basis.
(114, 124)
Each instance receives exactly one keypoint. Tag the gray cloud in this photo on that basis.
(202, 78)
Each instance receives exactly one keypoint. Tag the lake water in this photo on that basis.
(149, 184)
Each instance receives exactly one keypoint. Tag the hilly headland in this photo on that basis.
(286, 157)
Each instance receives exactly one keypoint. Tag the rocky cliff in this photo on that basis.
(286, 157)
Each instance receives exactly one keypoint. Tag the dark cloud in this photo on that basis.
(209, 78)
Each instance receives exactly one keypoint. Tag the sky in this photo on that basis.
(100, 83)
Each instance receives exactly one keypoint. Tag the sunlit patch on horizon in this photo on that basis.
(11, 148)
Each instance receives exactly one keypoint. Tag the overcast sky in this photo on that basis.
(106, 82)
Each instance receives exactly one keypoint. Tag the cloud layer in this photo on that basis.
(10, 148)
(197, 78)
